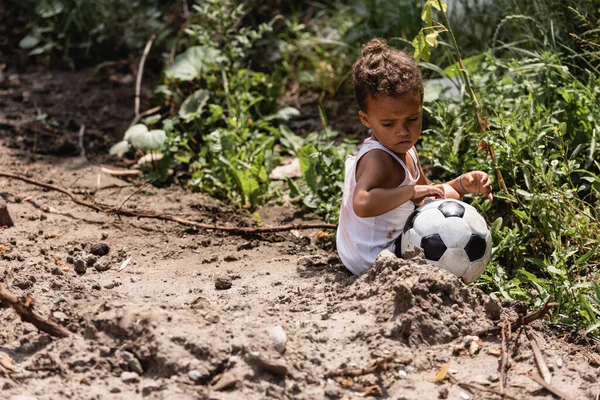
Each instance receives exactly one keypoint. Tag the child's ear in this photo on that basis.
(364, 118)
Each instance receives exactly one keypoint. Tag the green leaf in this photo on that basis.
(29, 42)
(194, 62)
(134, 131)
(427, 14)
(290, 140)
(471, 65)
(435, 5)
(432, 92)
(150, 140)
(193, 105)
(553, 270)
(431, 39)
(49, 8)
(308, 165)
(287, 113)
(421, 47)
(119, 148)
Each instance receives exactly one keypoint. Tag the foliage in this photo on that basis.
(82, 31)
(544, 131)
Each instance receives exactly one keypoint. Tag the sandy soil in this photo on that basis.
(206, 315)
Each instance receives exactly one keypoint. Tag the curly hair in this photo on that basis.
(381, 69)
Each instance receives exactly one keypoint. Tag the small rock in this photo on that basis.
(104, 235)
(112, 285)
(464, 396)
(99, 249)
(5, 219)
(222, 283)
(333, 390)
(79, 265)
(230, 258)
(194, 375)
(312, 261)
(443, 392)
(149, 387)
(22, 397)
(132, 362)
(278, 337)
(60, 316)
(91, 260)
(102, 265)
(559, 362)
(115, 390)
(130, 377)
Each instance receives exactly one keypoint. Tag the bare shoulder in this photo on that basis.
(378, 168)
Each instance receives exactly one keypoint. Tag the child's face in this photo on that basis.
(395, 121)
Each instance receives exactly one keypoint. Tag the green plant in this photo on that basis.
(86, 31)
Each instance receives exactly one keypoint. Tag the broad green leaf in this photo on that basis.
(308, 165)
(134, 131)
(471, 64)
(435, 5)
(427, 14)
(421, 47)
(553, 270)
(287, 113)
(193, 62)
(119, 148)
(193, 105)
(151, 140)
(29, 42)
(290, 140)
(432, 92)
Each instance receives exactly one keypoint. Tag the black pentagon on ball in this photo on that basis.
(410, 221)
(475, 249)
(452, 209)
(433, 247)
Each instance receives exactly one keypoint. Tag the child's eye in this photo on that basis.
(412, 119)
(388, 125)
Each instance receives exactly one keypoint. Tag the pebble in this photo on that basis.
(278, 337)
(130, 377)
(464, 396)
(194, 375)
(402, 374)
(99, 249)
(132, 362)
(79, 264)
(222, 283)
(559, 362)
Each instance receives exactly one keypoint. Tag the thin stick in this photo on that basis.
(352, 372)
(81, 147)
(138, 80)
(24, 307)
(538, 379)
(121, 172)
(143, 114)
(480, 388)
(529, 318)
(105, 208)
(539, 358)
(504, 356)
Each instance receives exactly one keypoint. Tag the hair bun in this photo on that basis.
(375, 46)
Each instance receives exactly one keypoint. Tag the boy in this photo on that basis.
(384, 181)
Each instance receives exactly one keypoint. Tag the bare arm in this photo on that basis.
(377, 193)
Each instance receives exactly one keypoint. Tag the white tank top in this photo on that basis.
(360, 240)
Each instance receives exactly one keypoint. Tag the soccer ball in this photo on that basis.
(452, 234)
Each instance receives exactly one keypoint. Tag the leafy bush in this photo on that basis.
(89, 31)
(544, 129)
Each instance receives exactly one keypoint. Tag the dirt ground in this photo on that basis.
(208, 315)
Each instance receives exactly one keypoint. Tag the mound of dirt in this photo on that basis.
(417, 303)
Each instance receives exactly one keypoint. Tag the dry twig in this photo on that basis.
(105, 208)
(24, 307)
(480, 388)
(539, 358)
(377, 366)
(138, 80)
(538, 379)
(504, 356)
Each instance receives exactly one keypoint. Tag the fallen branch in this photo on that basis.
(377, 366)
(105, 208)
(480, 388)
(121, 172)
(538, 379)
(24, 307)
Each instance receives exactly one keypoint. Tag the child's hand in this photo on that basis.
(422, 191)
(477, 182)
